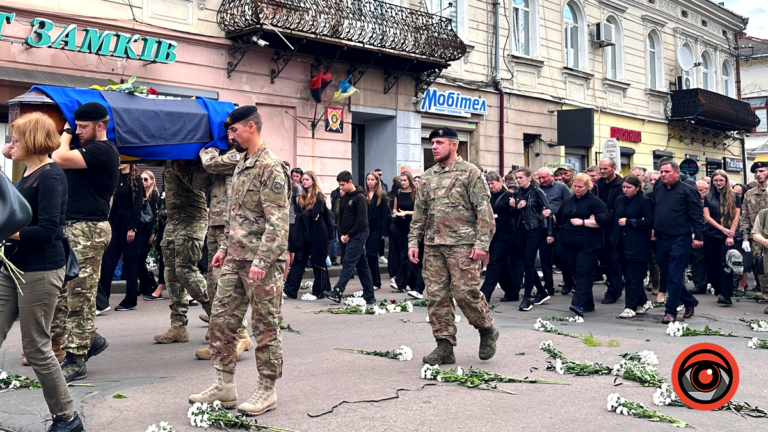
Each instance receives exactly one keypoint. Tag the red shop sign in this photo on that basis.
(626, 134)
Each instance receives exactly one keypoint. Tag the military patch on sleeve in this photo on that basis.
(234, 157)
(278, 185)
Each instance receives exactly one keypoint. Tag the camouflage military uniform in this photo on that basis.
(755, 200)
(75, 312)
(453, 215)
(257, 235)
(185, 183)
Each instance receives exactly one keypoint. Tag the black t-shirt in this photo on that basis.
(712, 202)
(90, 189)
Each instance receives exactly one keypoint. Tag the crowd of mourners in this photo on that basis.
(647, 232)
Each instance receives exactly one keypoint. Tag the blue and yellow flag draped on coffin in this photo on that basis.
(151, 128)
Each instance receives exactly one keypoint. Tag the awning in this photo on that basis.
(712, 110)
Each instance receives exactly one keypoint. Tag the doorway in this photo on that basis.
(358, 153)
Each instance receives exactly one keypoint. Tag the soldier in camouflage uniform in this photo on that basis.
(221, 167)
(453, 216)
(755, 200)
(252, 257)
(185, 183)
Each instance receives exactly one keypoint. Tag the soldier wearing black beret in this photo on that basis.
(92, 175)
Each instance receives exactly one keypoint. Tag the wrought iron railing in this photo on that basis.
(726, 113)
(371, 23)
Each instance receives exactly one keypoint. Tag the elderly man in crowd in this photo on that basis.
(565, 172)
(556, 193)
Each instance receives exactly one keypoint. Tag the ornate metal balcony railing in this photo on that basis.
(713, 110)
(370, 23)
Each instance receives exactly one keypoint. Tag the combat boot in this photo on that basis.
(204, 317)
(443, 354)
(98, 345)
(488, 338)
(244, 343)
(74, 367)
(174, 334)
(263, 400)
(57, 351)
(223, 390)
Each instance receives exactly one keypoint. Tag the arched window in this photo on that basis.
(655, 60)
(574, 36)
(614, 54)
(691, 77)
(707, 72)
(521, 27)
(727, 80)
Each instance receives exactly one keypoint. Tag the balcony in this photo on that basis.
(366, 32)
(712, 110)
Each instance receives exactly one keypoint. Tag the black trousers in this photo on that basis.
(118, 245)
(545, 255)
(393, 258)
(559, 259)
(498, 270)
(354, 258)
(524, 256)
(372, 246)
(147, 284)
(317, 252)
(634, 274)
(582, 265)
(612, 269)
(699, 271)
(407, 274)
(714, 255)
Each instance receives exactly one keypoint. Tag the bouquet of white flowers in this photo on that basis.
(646, 375)
(164, 427)
(756, 325)
(676, 329)
(756, 343)
(475, 377)
(214, 415)
(547, 327)
(9, 381)
(619, 405)
(403, 353)
(644, 357)
(574, 319)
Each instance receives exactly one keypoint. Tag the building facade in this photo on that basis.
(754, 90)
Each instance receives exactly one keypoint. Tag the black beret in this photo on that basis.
(240, 114)
(443, 132)
(92, 111)
(757, 165)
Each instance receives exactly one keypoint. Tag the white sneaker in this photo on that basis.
(99, 312)
(628, 313)
(383, 260)
(415, 294)
(645, 308)
(376, 288)
(393, 285)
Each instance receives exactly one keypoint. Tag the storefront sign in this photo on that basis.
(95, 41)
(689, 166)
(733, 164)
(452, 103)
(626, 134)
(612, 150)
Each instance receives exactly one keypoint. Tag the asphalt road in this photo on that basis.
(158, 379)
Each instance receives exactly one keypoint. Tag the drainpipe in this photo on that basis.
(499, 87)
(738, 96)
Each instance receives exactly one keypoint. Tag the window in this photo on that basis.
(521, 27)
(448, 9)
(614, 54)
(727, 80)
(575, 36)
(655, 61)
(705, 72)
(761, 114)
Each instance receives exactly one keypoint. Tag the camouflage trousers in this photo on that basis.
(234, 293)
(75, 315)
(212, 277)
(757, 250)
(181, 253)
(450, 274)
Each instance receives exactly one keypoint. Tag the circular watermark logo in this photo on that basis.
(705, 376)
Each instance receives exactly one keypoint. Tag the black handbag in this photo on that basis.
(146, 215)
(71, 267)
(16, 213)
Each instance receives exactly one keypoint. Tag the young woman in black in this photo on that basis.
(722, 209)
(532, 224)
(310, 220)
(582, 217)
(632, 224)
(404, 203)
(124, 219)
(379, 219)
(147, 284)
(393, 256)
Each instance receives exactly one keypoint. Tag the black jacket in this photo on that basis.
(530, 216)
(379, 216)
(311, 222)
(505, 214)
(608, 192)
(678, 211)
(582, 208)
(635, 236)
(353, 213)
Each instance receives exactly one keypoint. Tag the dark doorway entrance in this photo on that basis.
(358, 154)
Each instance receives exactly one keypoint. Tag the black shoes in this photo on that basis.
(577, 310)
(541, 297)
(526, 304)
(333, 295)
(123, 308)
(98, 345)
(698, 291)
(72, 425)
(608, 300)
(371, 302)
(74, 368)
(566, 290)
(724, 300)
(509, 299)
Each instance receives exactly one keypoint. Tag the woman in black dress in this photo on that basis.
(582, 218)
(379, 219)
(124, 220)
(404, 204)
(632, 224)
(393, 256)
(147, 284)
(722, 209)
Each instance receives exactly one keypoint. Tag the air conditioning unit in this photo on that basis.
(605, 33)
(683, 82)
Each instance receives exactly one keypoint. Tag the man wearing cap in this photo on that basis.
(755, 200)
(251, 259)
(566, 172)
(453, 217)
(93, 171)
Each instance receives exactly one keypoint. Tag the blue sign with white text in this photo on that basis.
(452, 103)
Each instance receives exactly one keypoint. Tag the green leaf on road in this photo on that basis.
(119, 396)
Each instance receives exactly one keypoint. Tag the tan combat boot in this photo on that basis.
(204, 317)
(263, 400)
(244, 344)
(223, 390)
(174, 334)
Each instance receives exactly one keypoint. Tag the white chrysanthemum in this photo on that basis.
(404, 353)
(152, 428)
(648, 357)
(390, 308)
(409, 306)
(357, 294)
(459, 371)
(398, 309)
(308, 297)
(355, 301)
(3, 375)
(427, 371)
(427, 320)
(753, 343)
(546, 344)
(458, 318)
(576, 319)
(761, 326)
(559, 367)
(216, 405)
